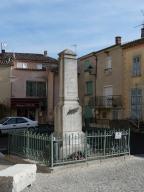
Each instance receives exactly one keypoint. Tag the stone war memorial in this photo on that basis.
(68, 112)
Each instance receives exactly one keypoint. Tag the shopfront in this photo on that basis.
(35, 109)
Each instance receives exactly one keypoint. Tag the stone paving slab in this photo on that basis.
(112, 175)
(17, 177)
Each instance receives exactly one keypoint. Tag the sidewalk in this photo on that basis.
(4, 163)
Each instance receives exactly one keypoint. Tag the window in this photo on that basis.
(36, 88)
(89, 87)
(11, 121)
(108, 64)
(136, 66)
(39, 66)
(88, 112)
(87, 64)
(31, 88)
(41, 89)
(115, 114)
(136, 103)
(107, 93)
(20, 120)
(22, 65)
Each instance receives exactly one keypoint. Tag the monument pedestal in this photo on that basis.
(68, 118)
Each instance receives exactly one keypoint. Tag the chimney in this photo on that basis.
(118, 40)
(142, 32)
(45, 53)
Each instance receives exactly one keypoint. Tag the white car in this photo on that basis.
(16, 123)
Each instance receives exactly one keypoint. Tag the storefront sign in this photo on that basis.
(26, 105)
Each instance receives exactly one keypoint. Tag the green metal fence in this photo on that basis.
(31, 145)
(72, 148)
(69, 149)
(105, 143)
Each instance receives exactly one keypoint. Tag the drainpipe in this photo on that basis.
(96, 60)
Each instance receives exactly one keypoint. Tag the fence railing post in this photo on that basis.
(27, 143)
(85, 145)
(129, 141)
(104, 142)
(9, 143)
(51, 150)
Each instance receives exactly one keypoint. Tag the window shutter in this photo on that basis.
(89, 85)
(136, 66)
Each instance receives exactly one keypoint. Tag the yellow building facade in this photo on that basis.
(133, 79)
(109, 82)
(118, 83)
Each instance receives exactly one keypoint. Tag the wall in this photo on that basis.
(84, 76)
(115, 77)
(20, 76)
(5, 87)
(129, 80)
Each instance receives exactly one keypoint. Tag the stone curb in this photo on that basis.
(45, 169)
(18, 160)
(92, 163)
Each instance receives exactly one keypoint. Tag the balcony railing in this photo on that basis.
(106, 101)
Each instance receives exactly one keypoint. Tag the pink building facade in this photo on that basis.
(32, 78)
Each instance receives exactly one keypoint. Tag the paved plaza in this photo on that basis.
(111, 175)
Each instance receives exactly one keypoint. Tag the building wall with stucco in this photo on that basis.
(130, 81)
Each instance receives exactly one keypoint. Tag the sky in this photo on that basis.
(32, 26)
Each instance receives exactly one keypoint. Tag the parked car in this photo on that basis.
(16, 123)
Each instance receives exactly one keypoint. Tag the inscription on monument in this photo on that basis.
(72, 111)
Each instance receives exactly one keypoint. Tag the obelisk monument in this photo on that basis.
(68, 113)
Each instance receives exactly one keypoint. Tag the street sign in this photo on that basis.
(118, 135)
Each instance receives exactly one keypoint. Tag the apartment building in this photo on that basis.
(118, 83)
(133, 89)
(109, 82)
(32, 81)
(100, 82)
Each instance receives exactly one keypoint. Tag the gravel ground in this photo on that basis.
(112, 175)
